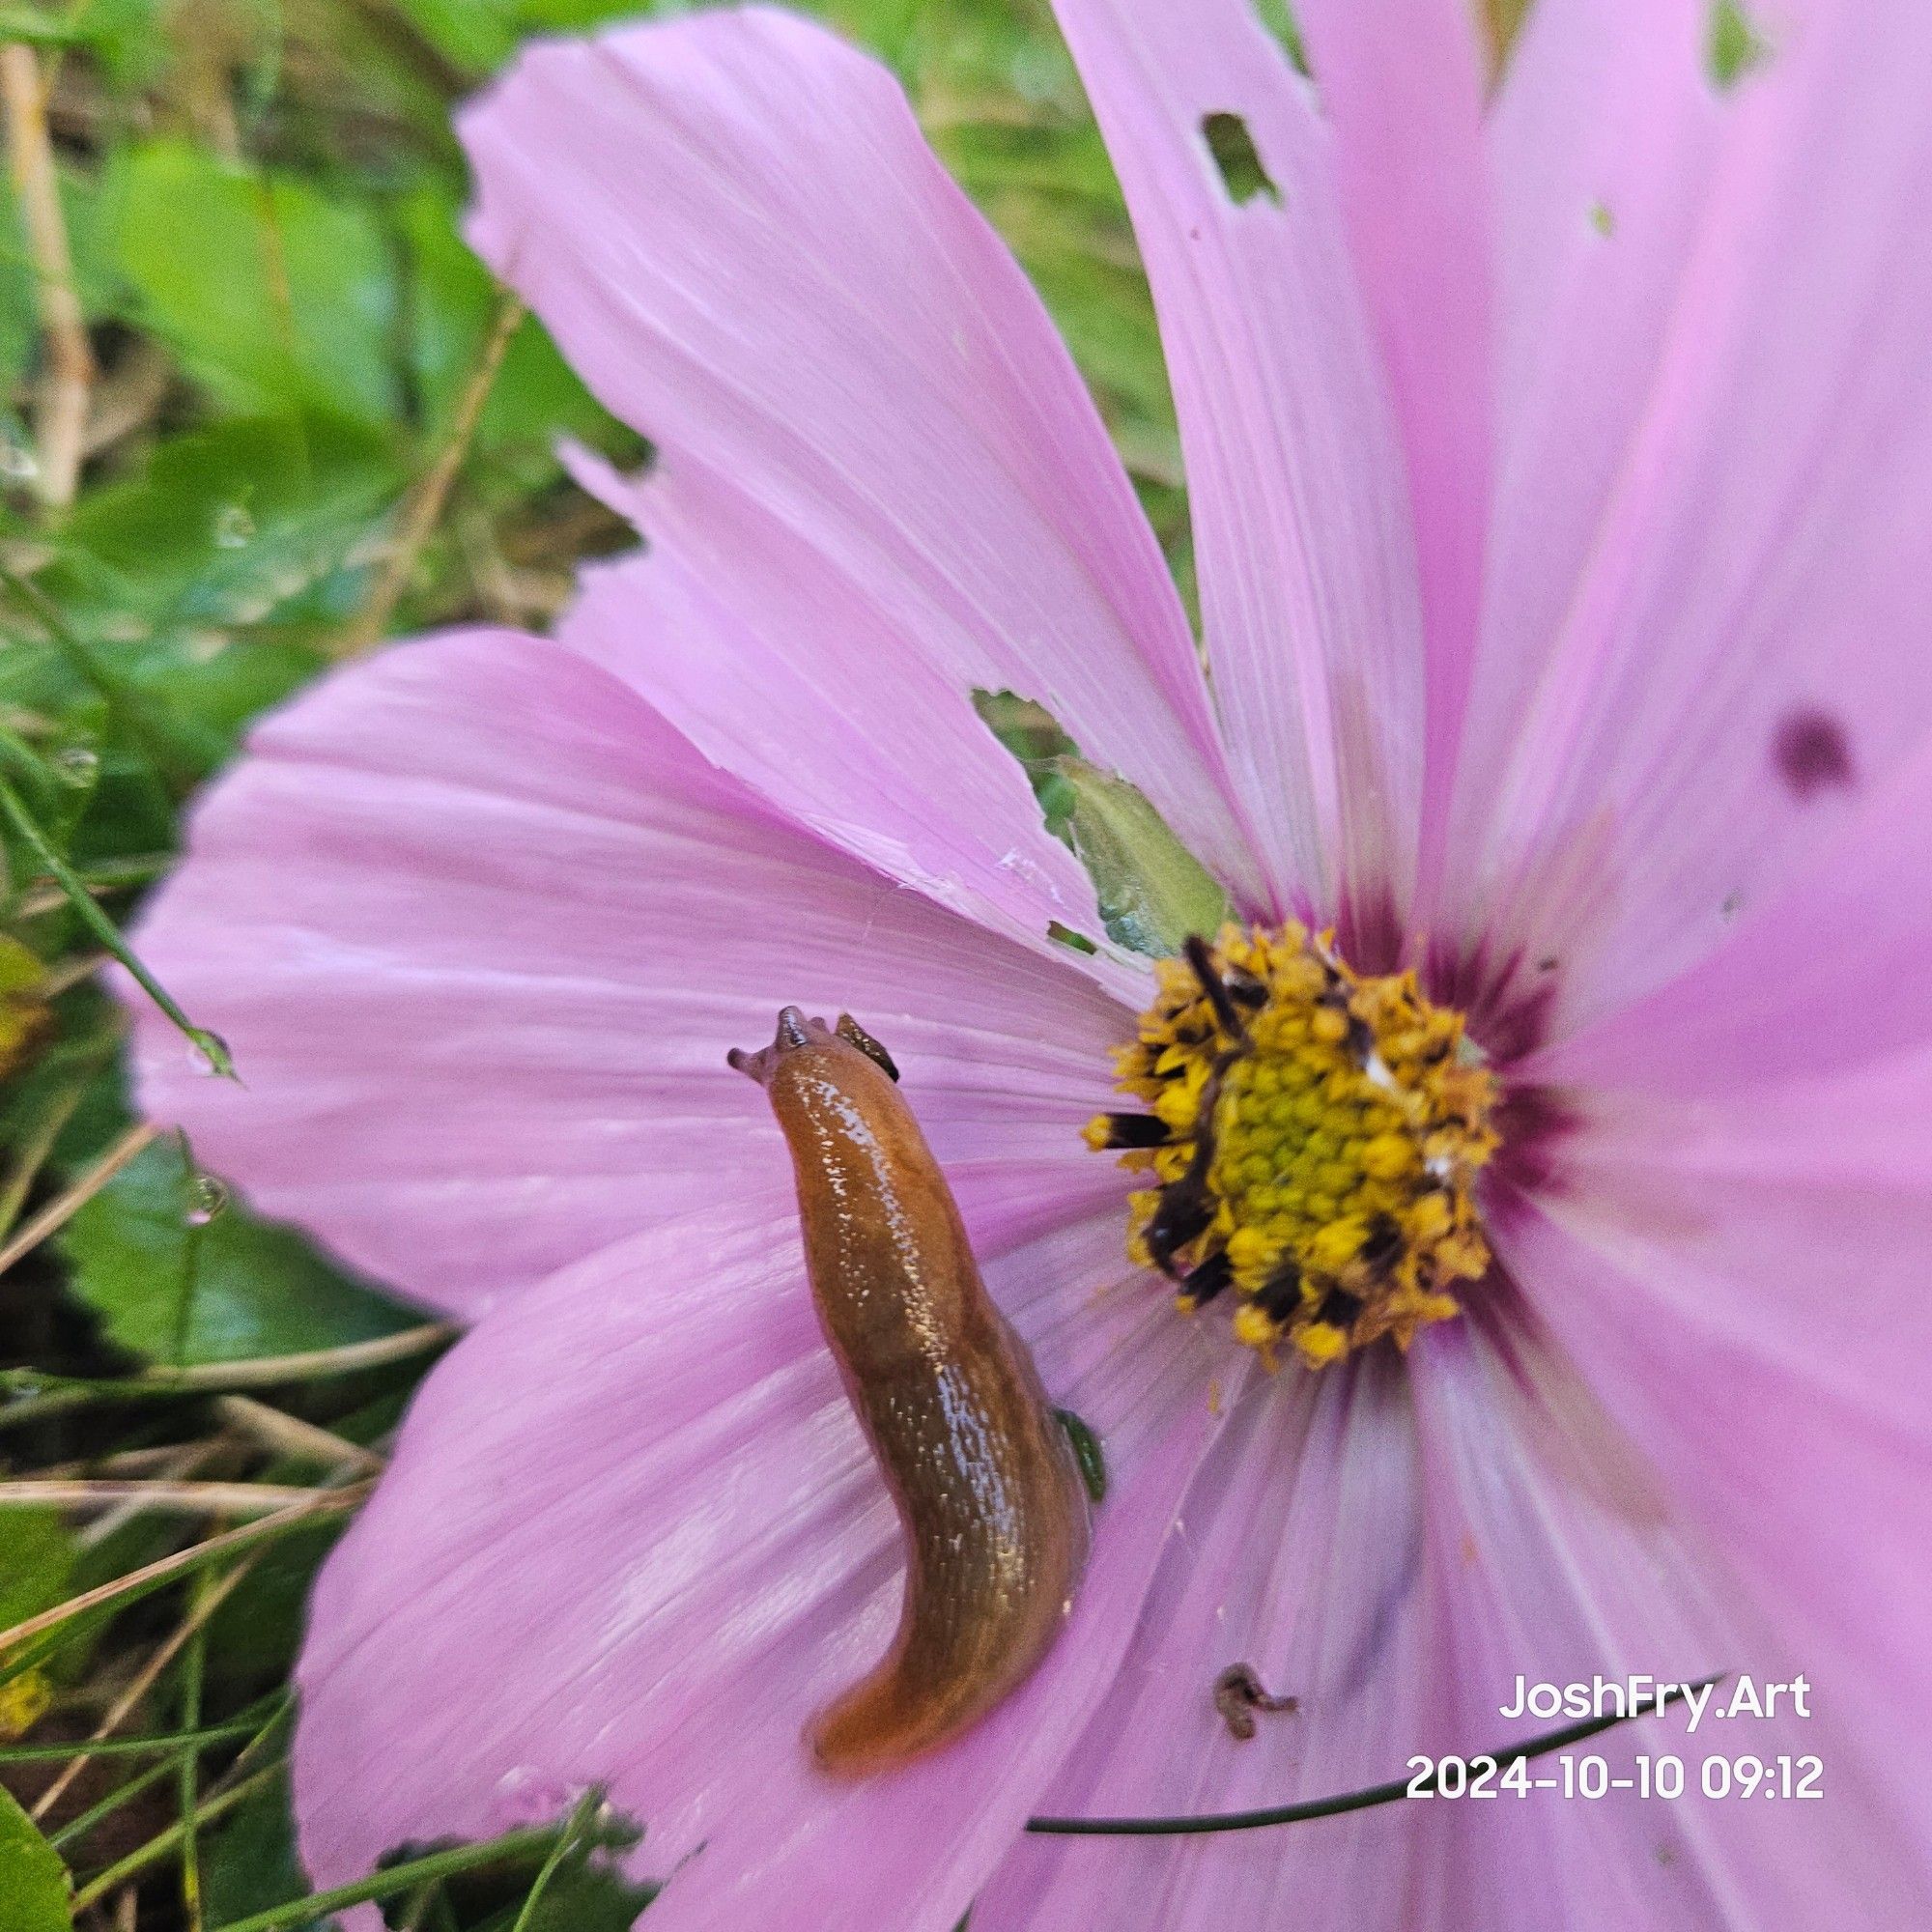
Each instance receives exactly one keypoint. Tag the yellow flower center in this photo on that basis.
(1312, 1135)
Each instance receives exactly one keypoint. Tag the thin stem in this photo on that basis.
(62, 1392)
(163, 1842)
(404, 1877)
(137, 1747)
(1395, 1789)
(425, 506)
(573, 1830)
(290, 1435)
(151, 1576)
(189, 1766)
(60, 428)
(191, 1498)
(211, 1046)
(64, 1206)
(124, 1793)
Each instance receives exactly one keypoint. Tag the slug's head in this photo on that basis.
(797, 1035)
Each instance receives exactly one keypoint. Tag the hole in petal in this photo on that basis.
(1152, 892)
(583, 1890)
(1275, 17)
(1812, 754)
(1735, 48)
(1235, 155)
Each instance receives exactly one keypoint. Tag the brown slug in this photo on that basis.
(988, 1489)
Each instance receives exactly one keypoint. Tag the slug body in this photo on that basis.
(988, 1485)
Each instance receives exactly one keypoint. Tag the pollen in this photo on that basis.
(1308, 1139)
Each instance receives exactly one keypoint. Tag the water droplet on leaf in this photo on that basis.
(207, 1197)
(233, 526)
(207, 1054)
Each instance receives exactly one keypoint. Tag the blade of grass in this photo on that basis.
(425, 505)
(211, 1047)
(137, 1747)
(44, 1394)
(187, 1761)
(151, 1577)
(404, 1877)
(163, 1842)
(574, 1828)
(61, 1210)
(196, 1498)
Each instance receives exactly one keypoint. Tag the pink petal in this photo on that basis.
(873, 749)
(1401, 85)
(1708, 571)
(481, 927)
(1741, 1274)
(1397, 1551)
(1294, 451)
(735, 231)
(1297, 1552)
(631, 1535)
(1555, 1554)
(1822, 976)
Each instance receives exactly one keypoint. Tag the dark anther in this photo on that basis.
(1359, 1040)
(853, 1034)
(1244, 989)
(1209, 1279)
(1381, 1244)
(1238, 1693)
(1338, 1309)
(1183, 1214)
(1280, 1294)
(1136, 1130)
(1202, 958)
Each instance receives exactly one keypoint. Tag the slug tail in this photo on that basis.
(886, 1721)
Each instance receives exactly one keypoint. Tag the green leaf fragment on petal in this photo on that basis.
(1735, 48)
(1152, 891)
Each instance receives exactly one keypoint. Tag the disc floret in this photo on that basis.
(1311, 1137)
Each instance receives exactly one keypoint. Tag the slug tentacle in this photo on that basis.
(988, 1485)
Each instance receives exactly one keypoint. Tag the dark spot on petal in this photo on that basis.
(1812, 754)
(1238, 159)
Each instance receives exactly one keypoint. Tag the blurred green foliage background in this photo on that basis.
(254, 418)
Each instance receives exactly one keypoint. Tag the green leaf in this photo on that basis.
(249, 1862)
(228, 1290)
(269, 289)
(37, 1564)
(453, 307)
(1154, 893)
(34, 1883)
(213, 577)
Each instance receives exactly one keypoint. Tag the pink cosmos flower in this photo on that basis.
(1560, 463)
